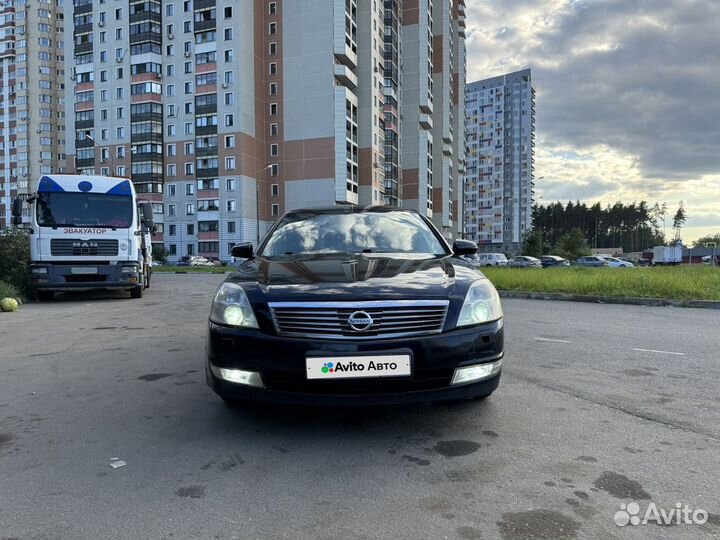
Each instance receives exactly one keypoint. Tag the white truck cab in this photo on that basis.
(89, 232)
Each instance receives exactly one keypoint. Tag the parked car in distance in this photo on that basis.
(524, 261)
(492, 259)
(591, 260)
(194, 260)
(472, 260)
(319, 316)
(548, 261)
(614, 262)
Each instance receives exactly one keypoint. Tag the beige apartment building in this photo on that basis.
(228, 113)
(32, 94)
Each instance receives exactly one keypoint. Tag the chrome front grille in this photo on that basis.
(68, 247)
(331, 320)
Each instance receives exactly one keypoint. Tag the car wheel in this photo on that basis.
(45, 296)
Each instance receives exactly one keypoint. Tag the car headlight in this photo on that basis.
(231, 307)
(482, 304)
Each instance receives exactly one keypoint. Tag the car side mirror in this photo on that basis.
(147, 217)
(242, 251)
(17, 212)
(464, 247)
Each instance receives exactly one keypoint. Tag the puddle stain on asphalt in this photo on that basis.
(620, 486)
(153, 376)
(418, 461)
(456, 448)
(537, 524)
(192, 492)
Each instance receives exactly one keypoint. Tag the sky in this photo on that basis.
(628, 97)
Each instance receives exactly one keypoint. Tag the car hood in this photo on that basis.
(336, 277)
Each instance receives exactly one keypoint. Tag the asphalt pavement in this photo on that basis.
(599, 405)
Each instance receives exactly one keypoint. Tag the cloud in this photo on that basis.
(626, 94)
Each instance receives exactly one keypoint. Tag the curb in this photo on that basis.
(633, 301)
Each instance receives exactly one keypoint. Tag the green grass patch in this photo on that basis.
(671, 283)
(195, 269)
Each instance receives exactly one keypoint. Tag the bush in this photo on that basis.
(15, 260)
(8, 290)
(160, 254)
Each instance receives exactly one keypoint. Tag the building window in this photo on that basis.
(228, 12)
(272, 8)
(272, 48)
(273, 109)
(191, 249)
(228, 34)
(189, 189)
(274, 169)
(189, 209)
(172, 230)
(230, 184)
(172, 249)
(171, 189)
(229, 141)
(273, 89)
(229, 120)
(172, 210)
(229, 163)
(172, 171)
(229, 98)
(190, 229)
(274, 149)
(273, 130)
(231, 205)
(189, 169)
(275, 190)
(272, 28)
(275, 209)
(231, 226)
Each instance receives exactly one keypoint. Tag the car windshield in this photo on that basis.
(362, 232)
(84, 210)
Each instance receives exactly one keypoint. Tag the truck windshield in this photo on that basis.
(84, 210)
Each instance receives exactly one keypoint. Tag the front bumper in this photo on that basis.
(281, 363)
(65, 277)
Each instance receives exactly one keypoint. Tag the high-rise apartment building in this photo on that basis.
(228, 113)
(499, 187)
(32, 108)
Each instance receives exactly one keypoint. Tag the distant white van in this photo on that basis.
(492, 259)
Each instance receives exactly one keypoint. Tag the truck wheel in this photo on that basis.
(136, 292)
(45, 296)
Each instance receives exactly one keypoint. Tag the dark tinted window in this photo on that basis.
(369, 232)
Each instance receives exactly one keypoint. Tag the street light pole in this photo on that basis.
(257, 203)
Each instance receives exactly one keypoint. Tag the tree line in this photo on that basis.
(634, 227)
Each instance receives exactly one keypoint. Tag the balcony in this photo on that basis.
(210, 172)
(204, 26)
(345, 76)
(425, 121)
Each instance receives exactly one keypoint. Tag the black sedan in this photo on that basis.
(351, 306)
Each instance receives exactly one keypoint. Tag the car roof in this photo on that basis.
(350, 209)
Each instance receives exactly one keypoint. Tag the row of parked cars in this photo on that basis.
(546, 261)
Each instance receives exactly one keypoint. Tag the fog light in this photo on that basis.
(476, 373)
(39, 270)
(238, 376)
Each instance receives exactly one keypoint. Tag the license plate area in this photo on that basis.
(83, 270)
(371, 366)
